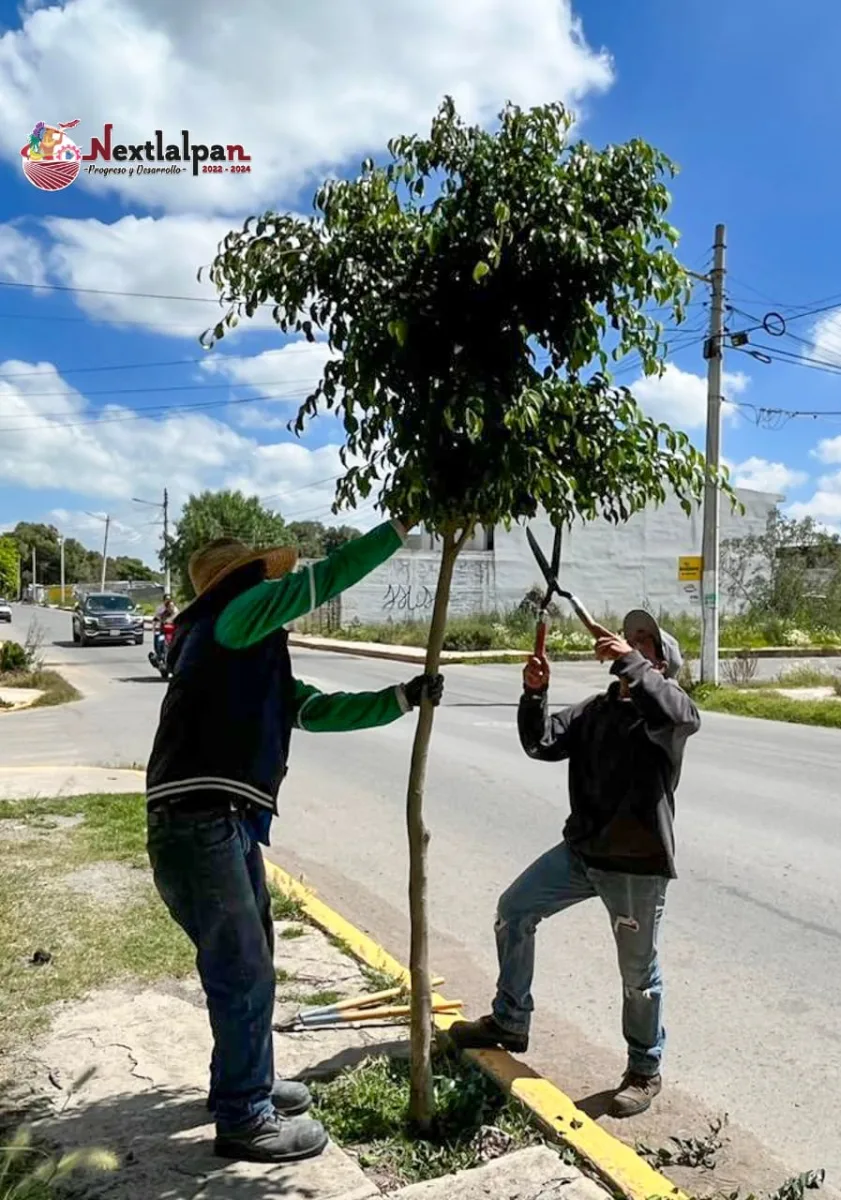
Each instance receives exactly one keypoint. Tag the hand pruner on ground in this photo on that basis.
(550, 574)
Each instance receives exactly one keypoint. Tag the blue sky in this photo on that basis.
(740, 96)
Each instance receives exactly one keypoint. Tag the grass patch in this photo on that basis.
(378, 981)
(55, 687)
(768, 704)
(366, 1108)
(283, 976)
(284, 908)
(291, 932)
(91, 943)
(318, 999)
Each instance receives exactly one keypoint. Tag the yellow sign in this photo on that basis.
(690, 568)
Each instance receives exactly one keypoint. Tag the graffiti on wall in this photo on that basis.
(403, 598)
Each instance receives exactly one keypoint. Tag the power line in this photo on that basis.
(64, 287)
(139, 415)
(172, 362)
(177, 387)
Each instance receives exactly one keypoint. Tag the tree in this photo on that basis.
(9, 567)
(790, 572)
(308, 536)
(222, 514)
(337, 535)
(45, 541)
(474, 290)
(133, 570)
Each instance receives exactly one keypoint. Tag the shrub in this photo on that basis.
(796, 637)
(469, 637)
(13, 657)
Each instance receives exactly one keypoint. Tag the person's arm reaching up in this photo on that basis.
(267, 607)
(543, 735)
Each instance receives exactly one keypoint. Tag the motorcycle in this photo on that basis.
(162, 640)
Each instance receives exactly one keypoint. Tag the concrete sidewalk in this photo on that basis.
(126, 1070)
(27, 783)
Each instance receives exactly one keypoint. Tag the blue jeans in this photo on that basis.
(635, 903)
(210, 875)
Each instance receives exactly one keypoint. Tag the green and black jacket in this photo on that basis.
(232, 701)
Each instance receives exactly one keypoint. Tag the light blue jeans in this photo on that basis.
(635, 903)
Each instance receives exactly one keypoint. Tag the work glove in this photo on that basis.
(432, 684)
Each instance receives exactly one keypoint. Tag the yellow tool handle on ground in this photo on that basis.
(364, 1001)
(395, 1010)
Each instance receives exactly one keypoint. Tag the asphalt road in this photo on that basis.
(752, 937)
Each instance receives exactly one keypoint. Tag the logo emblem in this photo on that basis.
(50, 160)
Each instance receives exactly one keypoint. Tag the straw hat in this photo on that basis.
(219, 559)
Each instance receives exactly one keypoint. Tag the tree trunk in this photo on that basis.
(421, 1097)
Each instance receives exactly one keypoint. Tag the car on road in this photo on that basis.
(5, 610)
(107, 617)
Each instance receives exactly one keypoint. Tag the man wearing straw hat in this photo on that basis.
(219, 757)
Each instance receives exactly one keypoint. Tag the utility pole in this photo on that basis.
(34, 592)
(714, 354)
(165, 556)
(105, 552)
(61, 550)
(167, 574)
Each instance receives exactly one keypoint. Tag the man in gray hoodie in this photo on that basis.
(625, 751)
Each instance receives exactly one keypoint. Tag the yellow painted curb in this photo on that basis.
(619, 1165)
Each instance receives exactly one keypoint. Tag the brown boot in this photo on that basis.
(486, 1034)
(635, 1094)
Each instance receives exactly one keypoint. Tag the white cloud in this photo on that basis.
(155, 256)
(54, 442)
(826, 338)
(288, 374)
(680, 397)
(303, 87)
(828, 450)
(21, 256)
(760, 475)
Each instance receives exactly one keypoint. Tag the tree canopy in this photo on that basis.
(476, 288)
(315, 540)
(9, 567)
(212, 515)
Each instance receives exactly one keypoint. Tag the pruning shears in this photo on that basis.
(553, 588)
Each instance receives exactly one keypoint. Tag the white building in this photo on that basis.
(611, 567)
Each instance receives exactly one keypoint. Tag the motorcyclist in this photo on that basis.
(165, 613)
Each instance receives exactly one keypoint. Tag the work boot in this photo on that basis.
(275, 1139)
(290, 1098)
(635, 1094)
(487, 1034)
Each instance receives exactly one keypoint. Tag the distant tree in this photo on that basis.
(337, 535)
(213, 515)
(132, 569)
(9, 567)
(309, 538)
(791, 571)
(45, 541)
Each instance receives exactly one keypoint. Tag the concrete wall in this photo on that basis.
(403, 589)
(614, 568)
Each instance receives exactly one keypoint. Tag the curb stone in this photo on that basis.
(616, 1163)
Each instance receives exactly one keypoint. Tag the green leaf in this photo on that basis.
(502, 212)
(480, 271)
